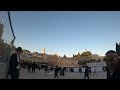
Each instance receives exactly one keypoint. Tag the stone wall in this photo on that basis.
(2, 70)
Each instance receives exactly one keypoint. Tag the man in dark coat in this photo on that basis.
(80, 69)
(113, 65)
(14, 64)
(33, 67)
(108, 73)
(63, 71)
(86, 72)
(56, 71)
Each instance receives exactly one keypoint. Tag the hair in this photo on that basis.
(113, 52)
(110, 51)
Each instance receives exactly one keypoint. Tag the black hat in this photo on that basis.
(19, 49)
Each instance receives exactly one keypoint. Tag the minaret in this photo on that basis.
(43, 51)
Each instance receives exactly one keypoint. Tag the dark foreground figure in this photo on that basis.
(113, 65)
(14, 64)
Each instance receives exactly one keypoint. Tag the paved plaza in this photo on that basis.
(24, 74)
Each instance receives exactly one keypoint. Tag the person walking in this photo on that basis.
(14, 64)
(86, 72)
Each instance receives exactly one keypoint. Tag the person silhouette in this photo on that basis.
(14, 64)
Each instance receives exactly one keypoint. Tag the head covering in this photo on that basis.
(19, 49)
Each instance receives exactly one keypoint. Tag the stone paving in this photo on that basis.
(24, 74)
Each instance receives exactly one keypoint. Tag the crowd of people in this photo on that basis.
(111, 57)
(32, 66)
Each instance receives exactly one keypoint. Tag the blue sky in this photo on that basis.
(67, 32)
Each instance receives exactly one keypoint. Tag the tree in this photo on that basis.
(87, 53)
(78, 54)
(65, 56)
